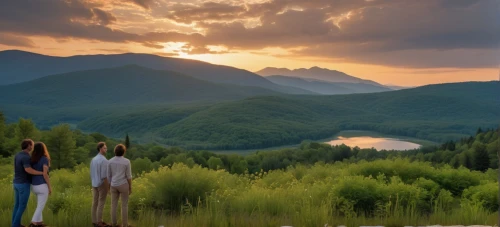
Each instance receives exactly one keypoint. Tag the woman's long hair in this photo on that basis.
(39, 150)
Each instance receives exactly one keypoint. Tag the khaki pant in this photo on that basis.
(99, 195)
(122, 192)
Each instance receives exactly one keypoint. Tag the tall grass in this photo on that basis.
(368, 193)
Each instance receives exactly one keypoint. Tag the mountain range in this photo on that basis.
(130, 84)
(327, 88)
(315, 73)
(19, 66)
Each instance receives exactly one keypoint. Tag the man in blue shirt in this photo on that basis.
(100, 184)
(22, 181)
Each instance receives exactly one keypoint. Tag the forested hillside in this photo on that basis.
(436, 112)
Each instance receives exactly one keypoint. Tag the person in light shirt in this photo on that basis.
(120, 177)
(100, 184)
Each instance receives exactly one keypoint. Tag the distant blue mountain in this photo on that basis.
(19, 66)
(327, 88)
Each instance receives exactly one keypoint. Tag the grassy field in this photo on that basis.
(366, 193)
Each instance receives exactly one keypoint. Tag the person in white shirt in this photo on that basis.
(100, 185)
(120, 177)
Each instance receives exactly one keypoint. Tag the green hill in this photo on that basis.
(435, 112)
(131, 85)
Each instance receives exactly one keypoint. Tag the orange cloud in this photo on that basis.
(442, 33)
(16, 41)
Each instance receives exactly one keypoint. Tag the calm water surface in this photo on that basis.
(377, 143)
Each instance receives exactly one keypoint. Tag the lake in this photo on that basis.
(379, 143)
(352, 138)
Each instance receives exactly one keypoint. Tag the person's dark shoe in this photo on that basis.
(39, 225)
(103, 224)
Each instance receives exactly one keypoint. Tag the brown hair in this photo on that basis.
(120, 150)
(39, 150)
(26, 143)
(100, 145)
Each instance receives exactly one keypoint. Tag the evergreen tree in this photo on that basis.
(2, 127)
(466, 160)
(3, 151)
(61, 146)
(127, 141)
(481, 157)
(451, 146)
(455, 161)
(479, 131)
(470, 141)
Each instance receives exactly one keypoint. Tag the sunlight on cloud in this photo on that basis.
(290, 8)
(339, 19)
(176, 48)
(217, 48)
(252, 23)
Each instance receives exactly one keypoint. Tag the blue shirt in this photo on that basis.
(98, 170)
(22, 160)
(38, 179)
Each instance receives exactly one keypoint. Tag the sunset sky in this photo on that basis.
(402, 42)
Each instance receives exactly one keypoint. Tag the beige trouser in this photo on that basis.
(99, 195)
(116, 192)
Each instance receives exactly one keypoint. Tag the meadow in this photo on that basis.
(392, 192)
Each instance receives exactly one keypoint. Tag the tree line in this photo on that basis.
(69, 147)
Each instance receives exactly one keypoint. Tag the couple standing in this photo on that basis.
(114, 175)
(31, 171)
